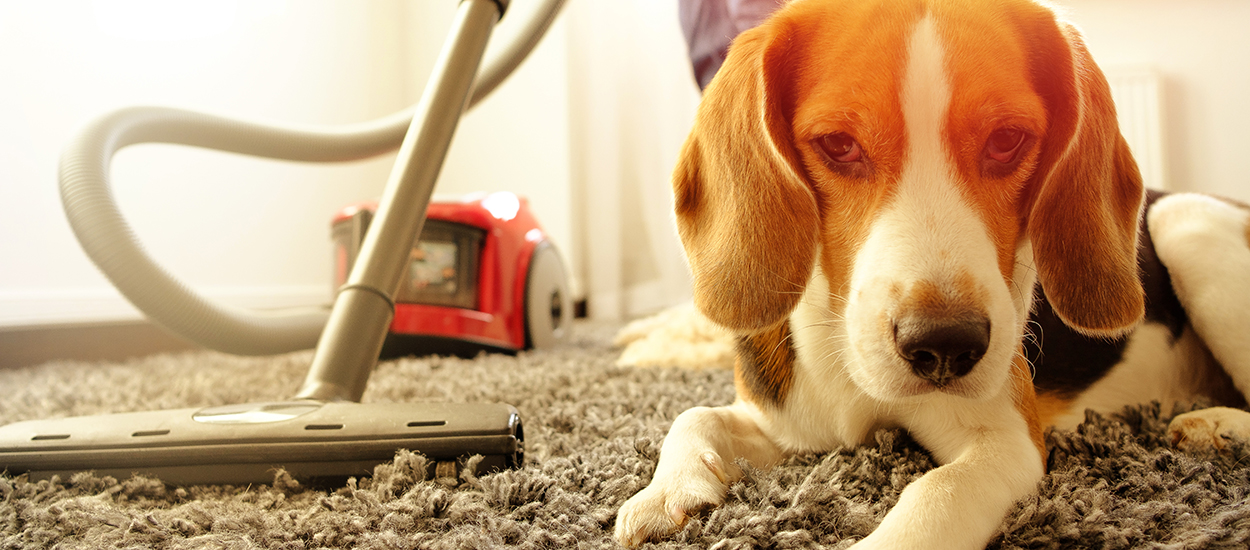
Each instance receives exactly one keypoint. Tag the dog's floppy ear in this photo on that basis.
(745, 212)
(1088, 193)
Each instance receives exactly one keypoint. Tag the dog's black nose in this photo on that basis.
(942, 350)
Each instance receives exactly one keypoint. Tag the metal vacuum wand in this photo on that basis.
(349, 345)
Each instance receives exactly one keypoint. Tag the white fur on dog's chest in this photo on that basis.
(825, 409)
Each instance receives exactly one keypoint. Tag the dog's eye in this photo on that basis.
(840, 147)
(1004, 145)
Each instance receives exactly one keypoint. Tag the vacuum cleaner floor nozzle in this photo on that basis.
(246, 444)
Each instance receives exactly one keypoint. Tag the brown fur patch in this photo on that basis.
(1051, 406)
(1247, 226)
(764, 371)
(962, 298)
(745, 212)
(1086, 196)
(1037, 412)
(1213, 381)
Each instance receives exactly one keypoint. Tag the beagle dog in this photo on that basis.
(921, 214)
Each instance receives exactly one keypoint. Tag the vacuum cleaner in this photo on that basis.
(323, 432)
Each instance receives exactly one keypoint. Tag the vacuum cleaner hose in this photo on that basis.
(111, 244)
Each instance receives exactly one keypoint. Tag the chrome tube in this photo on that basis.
(363, 310)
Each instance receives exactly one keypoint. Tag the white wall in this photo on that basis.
(633, 100)
(253, 232)
(1201, 48)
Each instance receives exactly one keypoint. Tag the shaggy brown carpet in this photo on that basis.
(593, 432)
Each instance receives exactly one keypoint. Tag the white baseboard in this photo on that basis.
(37, 307)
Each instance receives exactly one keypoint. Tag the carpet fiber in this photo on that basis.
(593, 432)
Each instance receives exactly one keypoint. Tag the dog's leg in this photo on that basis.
(695, 469)
(988, 464)
(1203, 243)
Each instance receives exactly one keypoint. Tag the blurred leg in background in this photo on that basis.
(710, 26)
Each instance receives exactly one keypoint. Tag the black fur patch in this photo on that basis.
(1067, 362)
(765, 367)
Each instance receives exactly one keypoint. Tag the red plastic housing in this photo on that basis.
(495, 315)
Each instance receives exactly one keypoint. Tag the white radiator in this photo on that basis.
(1139, 108)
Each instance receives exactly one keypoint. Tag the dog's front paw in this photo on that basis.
(1211, 428)
(669, 501)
